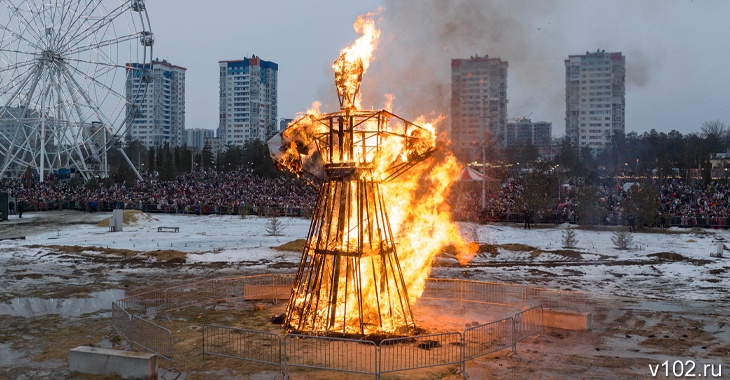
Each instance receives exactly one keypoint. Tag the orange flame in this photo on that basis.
(354, 62)
(417, 207)
(420, 216)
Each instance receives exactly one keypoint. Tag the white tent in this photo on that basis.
(469, 174)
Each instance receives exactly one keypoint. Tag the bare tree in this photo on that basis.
(717, 129)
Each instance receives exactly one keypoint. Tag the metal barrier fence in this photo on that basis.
(694, 221)
(121, 320)
(293, 351)
(130, 315)
(473, 291)
(193, 209)
(526, 324)
(504, 294)
(327, 353)
(143, 334)
(250, 345)
(422, 351)
(202, 292)
(357, 356)
(553, 299)
(488, 338)
(491, 292)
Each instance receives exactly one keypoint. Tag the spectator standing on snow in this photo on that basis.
(632, 221)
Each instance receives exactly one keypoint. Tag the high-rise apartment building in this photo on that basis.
(248, 100)
(524, 131)
(195, 137)
(159, 116)
(284, 123)
(478, 105)
(594, 98)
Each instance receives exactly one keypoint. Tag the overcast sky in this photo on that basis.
(677, 63)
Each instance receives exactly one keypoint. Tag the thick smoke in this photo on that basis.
(419, 39)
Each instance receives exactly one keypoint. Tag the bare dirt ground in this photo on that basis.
(630, 335)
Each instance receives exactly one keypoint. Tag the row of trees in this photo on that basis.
(650, 153)
(166, 162)
(658, 153)
(631, 157)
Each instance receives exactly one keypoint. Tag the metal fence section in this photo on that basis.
(328, 353)
(205, 292)
(504, 294)
(491, 293)
(442, 289)
(526, 324)
(488, 338)
(251, 345)
(142, 334)
(271, 279)
(294, 351)
(422, 351)
(142, 305)
(131, 315)
(121, 320)
(553, 299)
(268, 287)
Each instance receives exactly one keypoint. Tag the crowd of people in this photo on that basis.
(696, 204)
(202, 192)
(678, 203)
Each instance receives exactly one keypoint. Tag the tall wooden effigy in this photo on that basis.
(349, 280)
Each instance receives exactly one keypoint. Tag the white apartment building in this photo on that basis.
(595, 97)
(248, 100)
(195, 137)
(159, 116)
(478, 105)
(524, 131)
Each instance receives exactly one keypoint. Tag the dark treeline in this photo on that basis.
(176, 180)
(165, 163)
(660, 179)
(652, 153)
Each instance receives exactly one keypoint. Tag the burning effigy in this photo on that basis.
(364, 263)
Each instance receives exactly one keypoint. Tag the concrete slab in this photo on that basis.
(567, 321)
(104, 361)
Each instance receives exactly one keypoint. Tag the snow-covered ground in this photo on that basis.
(665, 298)
(206, 238)
(672, 264)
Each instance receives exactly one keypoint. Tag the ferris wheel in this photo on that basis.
(65, 97)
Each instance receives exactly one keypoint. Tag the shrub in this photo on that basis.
(274, 226)
(569, 239)
(622, 239)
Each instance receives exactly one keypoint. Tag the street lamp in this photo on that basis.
(557, 170)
